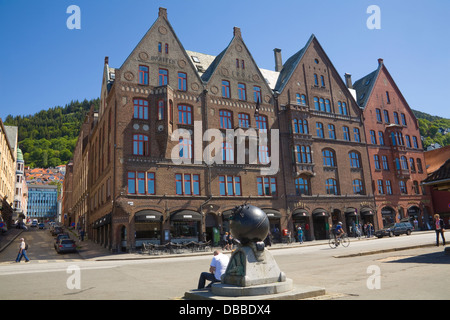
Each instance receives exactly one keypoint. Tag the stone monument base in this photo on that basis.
(259, 292)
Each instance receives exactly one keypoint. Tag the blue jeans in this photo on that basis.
(206, 276)
(22, 253)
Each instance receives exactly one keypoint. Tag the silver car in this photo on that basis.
(66, 245)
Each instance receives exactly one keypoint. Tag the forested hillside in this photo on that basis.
(48, 138)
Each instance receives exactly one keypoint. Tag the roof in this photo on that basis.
(442, 175)
(290, 65)
(364, 87)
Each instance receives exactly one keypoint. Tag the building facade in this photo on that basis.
(42, 202)
(180, 138)
(395, 150)
(326, 168)
(7, 175)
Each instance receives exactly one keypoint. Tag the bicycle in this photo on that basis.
(343, 240)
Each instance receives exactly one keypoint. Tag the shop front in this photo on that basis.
(185, 226)
(387, 216)
(413, 216)
(147, 224)
(275, 223)
(301, 218)
(351, 221)
(320, 224)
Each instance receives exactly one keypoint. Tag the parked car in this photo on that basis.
(66, 245)
(34, 224)
(395, 229)
(59, 238)
(41, 225)
(56, 231)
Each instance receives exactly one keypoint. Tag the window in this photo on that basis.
(388, 187)
(184, 114)
(161, 110)
(227, 152)
(331, 186)
(354, 160)
(408, 141)
(322, 81)
(416, 145)
(182, 81)
(327, 105)
(419, 165)
(131, 182)
(303, 154)
(244, 120)
(412, 165)
(386, 116)
(140, 109)
(166, 48)
(380, 187)
(358, 186)
(261, 122)
(159, 47)
(162, 77)
(404, 163)
(381, 138)
(322, 104)
(143, 75)
(263, 154)
(416, 187)
(226, 119)
(225, 89)
(328, 158)
(316, 80)
(385, 163)
(346, 132)
(316, 104)
(140, 145)
(303, 99)
(373, 138)
(388, 99)
(242, 92)
(402, 186)
(319, 129)
(396, 119)
(302, 186)
(356, 135)
(137, 183)
(342, 106)
(230, 186)
(403, 119)
(150, 182)
(187, 184)
(331, 131)
(376, 160)
(185, 148)
(378, 112)
(301, 126)
(257, 93)
(267, 186)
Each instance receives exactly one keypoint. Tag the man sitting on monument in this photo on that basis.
(217, 267)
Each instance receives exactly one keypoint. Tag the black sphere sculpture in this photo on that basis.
(249, 224)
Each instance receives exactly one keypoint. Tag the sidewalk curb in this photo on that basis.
(366, 253)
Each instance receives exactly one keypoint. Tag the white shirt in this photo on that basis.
(220, 262)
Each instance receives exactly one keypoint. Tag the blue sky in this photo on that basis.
(44, 64)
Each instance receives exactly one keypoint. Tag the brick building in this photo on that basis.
(291, 141)
(325, 162)
(395, 150)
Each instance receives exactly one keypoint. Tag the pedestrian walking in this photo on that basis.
(439, 229)
(300, 234)
(23, 247)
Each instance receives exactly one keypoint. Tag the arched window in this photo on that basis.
(329, 158)
(355, 159)
(331, 186)
(302, 186)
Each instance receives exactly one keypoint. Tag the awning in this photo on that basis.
(367, 212)
(186, 215)
(147, 216)
(300, 213)
(272, 213)
(106, 219)
(227, 214)
(351, 212)
(320, 213)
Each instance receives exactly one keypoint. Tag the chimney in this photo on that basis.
(237, 32)
(278, 60)
(162, 13)
(106, 60)
(348, 80)
(380, 61)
